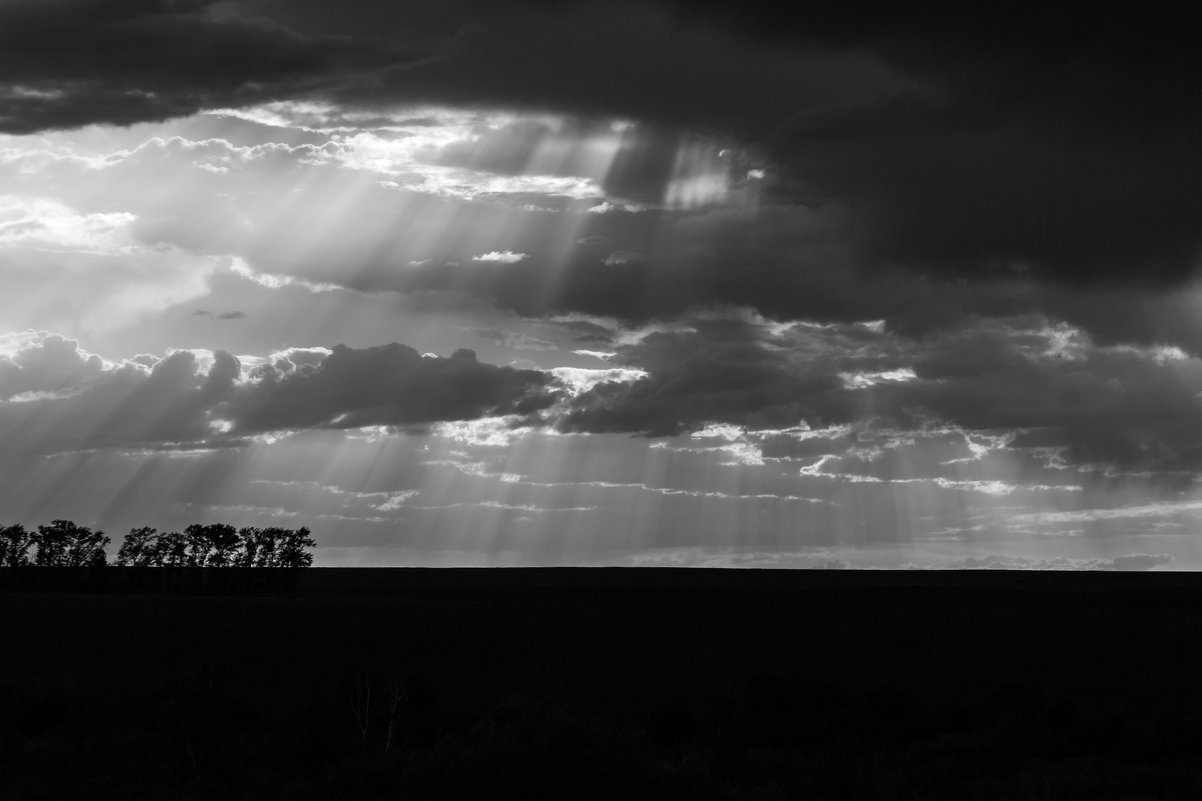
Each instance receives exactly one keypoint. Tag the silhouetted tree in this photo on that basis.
(295, 548)
(270, 542)
(62, 543)
(224, 544)
(65, 544)
(172, 550)
(14, 545)
(259, 546)
(199, 545)
(140, 548)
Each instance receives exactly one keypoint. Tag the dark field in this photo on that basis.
(599, 683)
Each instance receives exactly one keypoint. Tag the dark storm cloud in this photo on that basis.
(386, 385)
(66, 63)
(790, 262)
(964, 141)
(718, 371)
(808, 390)
(961, 143)
(62, 398)
(1125, 406)
(922, 167)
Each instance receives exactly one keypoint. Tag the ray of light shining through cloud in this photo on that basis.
(695, 290)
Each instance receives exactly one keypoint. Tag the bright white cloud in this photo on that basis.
(239, 267)
(501, 257)
(82, 272)
(581, 379)
(862, 380)
(48, 225)
(492, 432)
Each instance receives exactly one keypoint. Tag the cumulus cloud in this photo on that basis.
(582, 379)
(139, 402)
(842, 399)
(60, 397)
(41, 362)
(386, 385)
(501, 257)
(1098, 404)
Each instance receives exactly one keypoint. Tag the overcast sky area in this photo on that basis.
(606, 283)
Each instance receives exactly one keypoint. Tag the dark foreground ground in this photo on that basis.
(581, 684)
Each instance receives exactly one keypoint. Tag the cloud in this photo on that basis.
(480, 470)
(583, 379)
(718, 371)
(518, 340)
(83, 271)
(59, 397)
(1014, 383)
(70, 63)
(964, 143)
(1044, 395)
(1125, 562)
(40, 362)
(789, 260)
(385, 385)
(501, 257)
(1159, 509)
(623, 257)
(950, 145)
(47, 225)
(146, 401)
(239, 267)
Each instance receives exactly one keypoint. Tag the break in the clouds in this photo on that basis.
(644, 281)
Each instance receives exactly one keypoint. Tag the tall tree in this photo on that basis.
(65, 544)
(296, 548)
(270, 542)
(172, 550)
(51, 543)
(199, 545)
(258, 545)
(223, 544)
(15, 542)
(140, 548)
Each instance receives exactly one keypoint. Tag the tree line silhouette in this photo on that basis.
(62, 543)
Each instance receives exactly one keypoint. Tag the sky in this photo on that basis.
(636, 282)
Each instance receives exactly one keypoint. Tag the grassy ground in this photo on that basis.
(595, 683)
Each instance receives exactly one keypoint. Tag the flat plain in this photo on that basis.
(673, 682)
